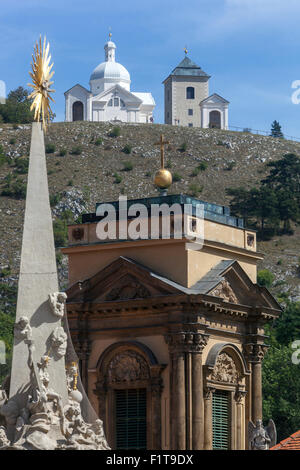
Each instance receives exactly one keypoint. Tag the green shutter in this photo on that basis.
(131, 419)
(221, 420)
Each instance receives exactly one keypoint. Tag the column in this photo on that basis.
(200, 341)
(208, 431)
(178, 395)
(239, 395)
(156, 386)
(255, 354)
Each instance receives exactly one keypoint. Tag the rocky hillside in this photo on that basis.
(87, 165)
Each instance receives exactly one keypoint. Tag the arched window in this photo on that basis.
(110, 103)
(226, 388)
(122, 103)
(78, 111)
(116, 102)
(129, 390)
(190, 93)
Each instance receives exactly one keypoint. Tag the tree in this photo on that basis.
(17, 107)
(276, 130)
(285, 174)
(265, 278)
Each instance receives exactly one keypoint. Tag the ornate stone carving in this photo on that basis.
(4, 442)
(225, 369)
(225, 291)
(22, 329)
(57, 301)
(239, 395)
(186, 342)
(58, 341)
(255, 352)
(261, 438)
(131, 290)
(207, 393)
(127, 366)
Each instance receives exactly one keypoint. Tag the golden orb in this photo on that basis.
(163, 178)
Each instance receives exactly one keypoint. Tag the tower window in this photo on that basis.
(221, 420)
(190, 112)
(110, 102)
(116, 101)
(190, 124)
(190, 93)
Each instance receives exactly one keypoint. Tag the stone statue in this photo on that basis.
(57, 301)
(261, 438)
(22, 329)
(58, 340)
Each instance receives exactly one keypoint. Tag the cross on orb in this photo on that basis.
(162, 144)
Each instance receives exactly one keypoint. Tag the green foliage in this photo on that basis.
(50, 148)
(127, 149)
(288, 324)
(118, 178)
(62, 152)
(265, 278)
(3, 158)
(17, 107)
(22, 165)
(177, 177)
(60, 228)
(275, 203)
(115, 132)
(12, 141)
(281, 388)
(77, 150)
(70, 183)
(183, 147)
(195, 189)
(127, 166)
(98, 141)
(54, 199)
(230, 166)
(16, 190)
(276, 130)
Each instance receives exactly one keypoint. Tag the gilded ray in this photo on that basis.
(41, 82)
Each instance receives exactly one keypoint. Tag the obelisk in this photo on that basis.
(38, 276)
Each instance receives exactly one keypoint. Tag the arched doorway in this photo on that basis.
(78, 111)
(215, 119)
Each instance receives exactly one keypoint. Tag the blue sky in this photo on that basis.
(251, 48)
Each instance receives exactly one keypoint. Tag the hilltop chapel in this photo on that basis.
(169, 330)
(109, 97)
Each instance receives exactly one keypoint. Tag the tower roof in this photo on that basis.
(188, 67)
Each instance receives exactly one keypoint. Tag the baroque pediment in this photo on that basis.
(225, 291)
(122, 280)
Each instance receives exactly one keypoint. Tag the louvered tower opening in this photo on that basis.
(131, 418)
(221, 420)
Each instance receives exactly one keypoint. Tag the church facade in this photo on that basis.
(187, 99)
(170, 335)
(109, 97)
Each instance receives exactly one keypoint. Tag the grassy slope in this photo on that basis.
(89, 177)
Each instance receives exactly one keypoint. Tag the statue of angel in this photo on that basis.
(261, 438)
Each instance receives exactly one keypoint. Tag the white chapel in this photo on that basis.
(109, 97)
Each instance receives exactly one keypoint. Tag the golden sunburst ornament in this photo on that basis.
(41, 75)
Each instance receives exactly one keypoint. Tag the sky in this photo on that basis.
(251, 48)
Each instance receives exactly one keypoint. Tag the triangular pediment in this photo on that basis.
(77, 87)
(123, 279)
(233, 285)
(125, 95)
(214, 99)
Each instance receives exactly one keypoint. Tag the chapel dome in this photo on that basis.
(110, 70)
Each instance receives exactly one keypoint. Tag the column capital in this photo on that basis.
(254, 352)
(239, 395)
(186, 341)
(208, 391)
